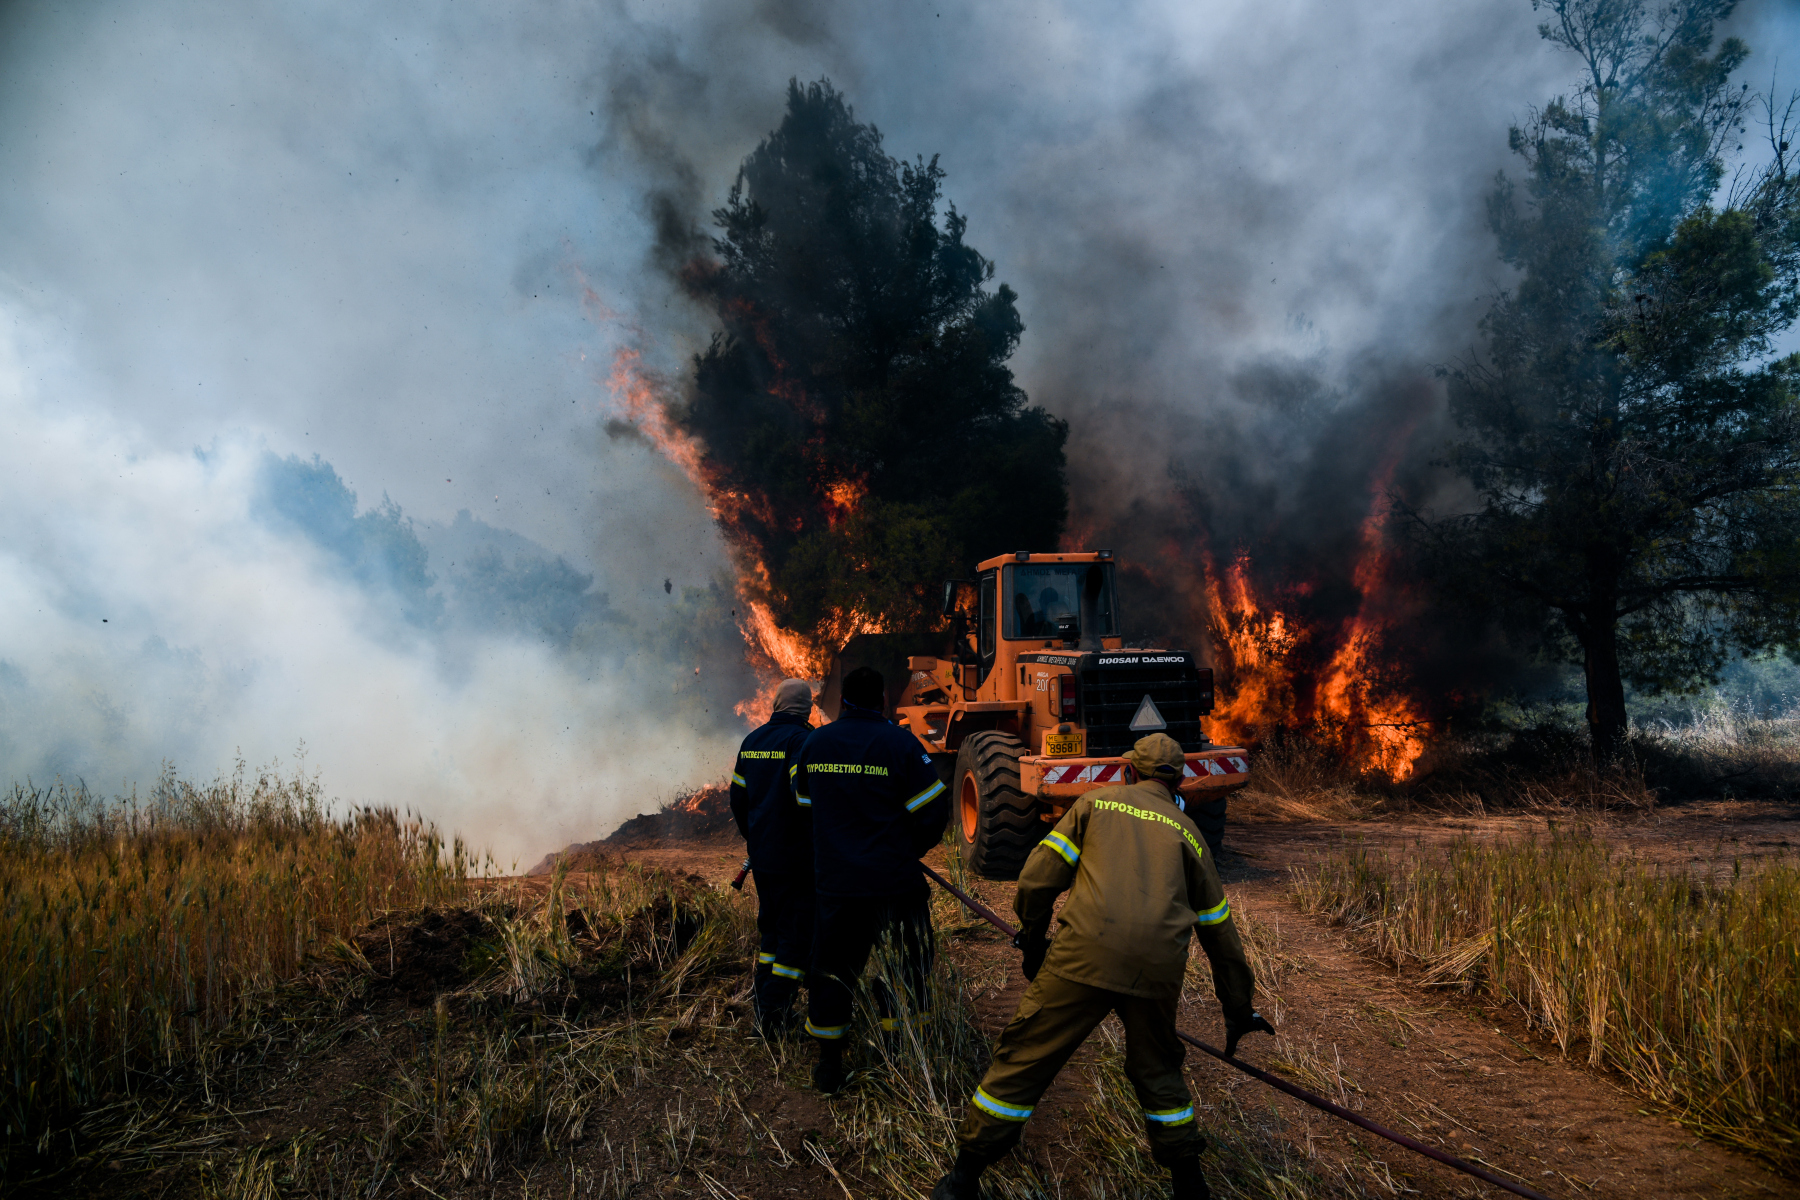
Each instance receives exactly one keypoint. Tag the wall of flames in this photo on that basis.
(1276, 669)
(1334, 680)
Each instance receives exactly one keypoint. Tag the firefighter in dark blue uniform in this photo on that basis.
(877, 806)
(778, 831)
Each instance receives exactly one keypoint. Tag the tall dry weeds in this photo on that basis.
(1685, 980)
(1294, 778)
(1726, 750)
(130, 931)
(568, 1005)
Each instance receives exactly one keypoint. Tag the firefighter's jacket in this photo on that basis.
(877, 805)
(776, 828)
(1139, 879)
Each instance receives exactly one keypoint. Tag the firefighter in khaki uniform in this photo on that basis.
(1140, 879)
(777, 830)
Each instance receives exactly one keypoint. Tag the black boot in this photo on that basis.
(964, 1180)
(828, 1072)
(1189, 1183)
(774, 1002)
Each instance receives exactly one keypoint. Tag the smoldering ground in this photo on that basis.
(365, 234)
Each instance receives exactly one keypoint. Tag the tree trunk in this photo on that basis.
(1606, 693)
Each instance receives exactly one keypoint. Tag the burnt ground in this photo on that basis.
(1444, 1069)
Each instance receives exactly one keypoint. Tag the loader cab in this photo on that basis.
(1027, 603)
(1068, 605)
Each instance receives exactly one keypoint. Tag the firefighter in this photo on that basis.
(778, 832)
(1139, 879)
(877, 806)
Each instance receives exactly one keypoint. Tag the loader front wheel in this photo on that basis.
(997, 824)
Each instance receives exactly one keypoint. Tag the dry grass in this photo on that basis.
(1686, 981)
(1293, 778)
(1542, 768)
(1727, 751)
(134, 931)
(585, 1038)
(229, 991)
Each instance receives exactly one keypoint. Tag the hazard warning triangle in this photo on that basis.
(1147, 718)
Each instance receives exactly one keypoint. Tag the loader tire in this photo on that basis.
(997, 825)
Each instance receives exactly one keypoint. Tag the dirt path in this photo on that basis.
(1446, 1071)
(1454, 1074)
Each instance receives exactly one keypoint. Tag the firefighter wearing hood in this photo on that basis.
(777, 829)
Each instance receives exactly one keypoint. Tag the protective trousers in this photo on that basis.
(898, 928)
(1054, 1017)
(784, 917)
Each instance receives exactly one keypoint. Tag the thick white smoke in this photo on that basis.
(154, 612)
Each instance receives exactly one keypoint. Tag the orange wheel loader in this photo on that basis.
(1041, 698)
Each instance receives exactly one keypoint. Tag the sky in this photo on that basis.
(408, 239)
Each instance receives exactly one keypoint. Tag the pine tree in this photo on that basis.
(857, 403)
(1630, 437)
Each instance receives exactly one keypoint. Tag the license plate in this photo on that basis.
(1062, 745)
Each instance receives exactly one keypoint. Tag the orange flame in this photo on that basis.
(635, 395)
(1392, 726)
(1264, 653)
(844, 498)
(1268, 655)
(773, 652)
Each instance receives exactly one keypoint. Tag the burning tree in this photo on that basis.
(1633, 446)
(855, 424)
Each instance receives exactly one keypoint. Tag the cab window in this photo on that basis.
(1038, 595)
(984, 644)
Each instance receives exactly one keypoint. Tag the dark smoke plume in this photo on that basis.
(1241, 270)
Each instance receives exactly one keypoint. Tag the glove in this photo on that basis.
(1035, 948)
(1237, 1027)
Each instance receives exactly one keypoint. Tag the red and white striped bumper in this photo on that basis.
(1065, 778)
(1113, 771)
(1203, 768)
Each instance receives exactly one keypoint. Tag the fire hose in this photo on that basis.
(1275, 1081)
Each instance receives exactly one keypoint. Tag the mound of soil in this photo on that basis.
(701, 813)
(616, 956)
(580, 856)
(416, 956)
(692, 816)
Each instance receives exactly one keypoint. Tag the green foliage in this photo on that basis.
(1632, 445)
(857, 411)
